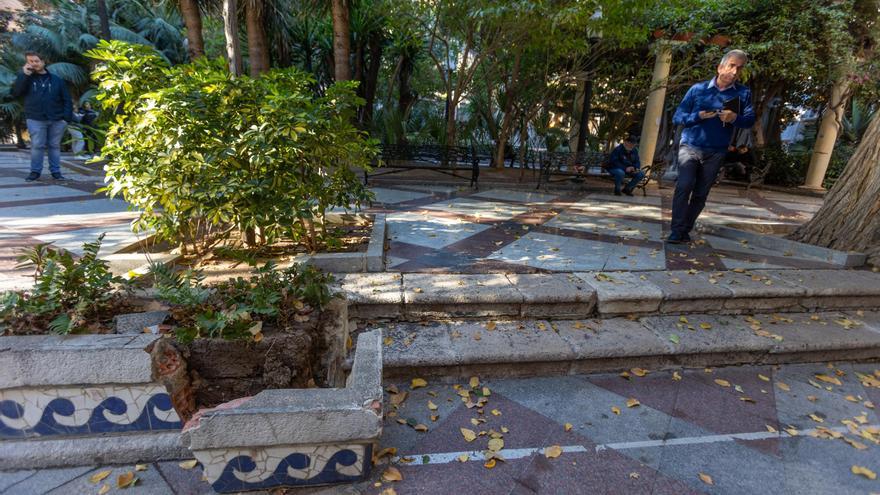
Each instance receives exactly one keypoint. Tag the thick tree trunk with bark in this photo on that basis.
(258, 47)
(103, 19)
(192, 18)
(372, 75)
(341, 40)
(850, 216)
(230, 31)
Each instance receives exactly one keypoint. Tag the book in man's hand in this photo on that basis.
(733, 105)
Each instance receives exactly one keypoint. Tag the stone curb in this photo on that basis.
(52, 360)
(535, 348)
(373, 260)
(416, 295)
(116, 449)
(782, 245)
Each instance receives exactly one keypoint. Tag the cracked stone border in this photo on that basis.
(373, 260)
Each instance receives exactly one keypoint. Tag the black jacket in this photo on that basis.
(45, 96)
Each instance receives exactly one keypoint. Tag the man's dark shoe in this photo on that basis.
(32, 177)
(628, 191)
(685, 237)
(57, 176)
(617, 192)
(675, 238)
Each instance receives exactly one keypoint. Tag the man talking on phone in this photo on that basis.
(709, 113)
(48, 108)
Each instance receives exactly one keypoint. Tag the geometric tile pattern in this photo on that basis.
(237, 470)
(41, 412)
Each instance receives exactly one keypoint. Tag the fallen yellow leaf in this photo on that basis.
(474, 382)
(420, 427)
(188, 464)
(432, 406)
(705, 478)
(723, 383)
(764, 378)
(389, 491)
(633, 402)
(97, 477)
(463, 458)
(489, 464)
(851, 398)
(568, 426)
(392, 474)
(553, 451)
(388, 341)
(469, 435)
(496, 444)
(491, 326)
(861, 470)
(783, 386)
(639, 371)
(816, 418)
(770, 429)
(126, 480)
(496, 412)
(104, 489)
(828, 379)
(615, 410)
(140, 467)
(705, 326)
(418, 383)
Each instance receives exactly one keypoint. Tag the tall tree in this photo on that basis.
(192, 18)
(103, 19)
(258, 47)
(341, 40)
(849, 219)
(230, 32)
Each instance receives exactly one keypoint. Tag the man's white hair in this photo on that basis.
(734, 53)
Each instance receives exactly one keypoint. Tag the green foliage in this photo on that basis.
(69, 295)
(238, 308)
(196, 147)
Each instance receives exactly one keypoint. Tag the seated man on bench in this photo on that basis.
(624, 162)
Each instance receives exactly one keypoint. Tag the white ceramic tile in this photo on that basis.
(515, 195)
(489, 210)
(392, 196)
(553, 252)
(601, 208)
(428, 231)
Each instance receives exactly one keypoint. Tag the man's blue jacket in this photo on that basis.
(620, 158)
(45, 96)
(710, 134)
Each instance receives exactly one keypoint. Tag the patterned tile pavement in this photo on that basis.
(67, 213)
(751, 429)
(521, 231)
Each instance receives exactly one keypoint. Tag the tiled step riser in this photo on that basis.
(456, 373)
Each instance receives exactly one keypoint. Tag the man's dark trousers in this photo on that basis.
(697, 171)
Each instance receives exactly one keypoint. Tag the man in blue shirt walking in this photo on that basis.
(48, 108)
(709, 113)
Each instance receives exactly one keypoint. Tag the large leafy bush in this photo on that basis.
(202, 153)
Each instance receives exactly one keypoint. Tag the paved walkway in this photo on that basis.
(749, 430)
(451, 229)
(66, 213)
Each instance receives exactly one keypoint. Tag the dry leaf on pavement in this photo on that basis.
(418, 383)
(639, 371)
(867, 473)
(489, 464)
(633, 402)
(705, 478)
(615, 410)
(126, 480)
(568, 426)
(783, 386)
(100, 476)
(723, 383)
(104, 489)
(496, 444)
(392, 474)
(188, 464)
(553, 451)
(469, 435)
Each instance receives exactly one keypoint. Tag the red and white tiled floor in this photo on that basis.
(445, 229)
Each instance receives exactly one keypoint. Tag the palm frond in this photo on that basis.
(71, 73)
(124, 34)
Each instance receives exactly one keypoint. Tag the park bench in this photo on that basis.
(462, 162)
(577, 166)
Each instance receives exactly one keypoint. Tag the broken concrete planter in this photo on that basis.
(373, 260)
(77, 389)
(294, 437)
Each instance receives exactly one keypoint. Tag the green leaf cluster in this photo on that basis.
(235, 308)
(193, 147)
(70, 294)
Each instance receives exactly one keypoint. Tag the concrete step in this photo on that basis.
(529, 347)
(416, 296)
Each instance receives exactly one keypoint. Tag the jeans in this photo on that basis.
(46, 136)
(697, 171)
(619, 174)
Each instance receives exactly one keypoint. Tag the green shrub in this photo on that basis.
(201, 153)
(69, 294)
(787, 167)
(238, 308)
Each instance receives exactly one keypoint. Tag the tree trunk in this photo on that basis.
(584, 124)
(230, 31)
(849, 219)
(103, 19)
(451, 128)
(192, 18)
(372, 75)
(258, 48)
(341, 40)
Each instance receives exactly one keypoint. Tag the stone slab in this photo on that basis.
(134, 323)
(376, 249)
(829, 283)
(554, 295)
(373, 295)
(460, 295)
(726, 334)
(610, 338)
(758, 292)
(782, 245)
(417, 345)
(112, 449)
(45, 480)
(520, 342)
(820, 332)
(623, 292)
(150, 482)
(73, 360)
(334, 262)
(685, 292)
